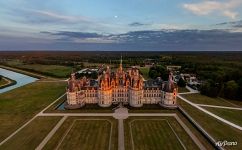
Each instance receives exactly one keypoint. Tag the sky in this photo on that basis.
(130, 25)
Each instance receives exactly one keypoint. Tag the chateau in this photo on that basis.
(127, 87)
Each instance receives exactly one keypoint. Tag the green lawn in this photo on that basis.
(19, 105)
(150, 108)
(85, 133)
(228, 114)
(194, 130)
(155, 133)
(235, 102)
(145, 72)
(217, 129)
(49, 70)
(202, 99)
(31, 135)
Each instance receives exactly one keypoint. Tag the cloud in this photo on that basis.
(137, 24)
(206, 7)
(60, 17)
(235, 26)
(49, 16)
(136, 40)
(79, 37)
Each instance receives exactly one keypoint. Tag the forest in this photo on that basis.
(221, 72)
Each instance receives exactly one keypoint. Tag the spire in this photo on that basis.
(121, 65)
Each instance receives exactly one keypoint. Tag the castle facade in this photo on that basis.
(127, 87)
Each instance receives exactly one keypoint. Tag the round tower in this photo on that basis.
(105, 91)
(136, 91)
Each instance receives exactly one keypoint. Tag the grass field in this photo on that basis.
(236, 102)
(145, 72)
(228, 114)
(49, 70)
(151, 108)
(86, 133)
(31, 135)
(155, 133)
(202, 99)
(19, 105)
(217, 129)
(197, 133)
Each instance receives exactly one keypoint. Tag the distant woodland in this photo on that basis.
(221, 72)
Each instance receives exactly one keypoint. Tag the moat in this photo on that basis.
(21, 79)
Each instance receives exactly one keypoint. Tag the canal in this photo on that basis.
(21, 79)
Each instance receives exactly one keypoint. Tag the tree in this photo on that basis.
(181, 83)
(210, 88)
(230, 89)
(239, 93)
(153, 74)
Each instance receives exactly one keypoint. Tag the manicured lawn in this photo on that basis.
(228, 114)
(155, 133)
(51, 70)
(19, 105)
(182, 89)
(86, 133)
(145, 72)
(31, 135)
(202, 99)
(194, 130)
(150, 108)
(217, 129)
(235, 102)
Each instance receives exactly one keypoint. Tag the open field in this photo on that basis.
(218, 130)
(31, 135)
(202, 99)
(49, 70)
(155, 133)
(86, 133)
(19, 105)
(152, 108)
(228, 114)
(35, 75)
(194, 130)
(235, 102)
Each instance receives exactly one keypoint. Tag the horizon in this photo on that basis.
(157, 25)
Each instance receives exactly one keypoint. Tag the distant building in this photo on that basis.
(127, 87)
(173, 68)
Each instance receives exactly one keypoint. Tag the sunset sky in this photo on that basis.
(121, 25)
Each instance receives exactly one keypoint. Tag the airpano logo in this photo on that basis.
(226, 143)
